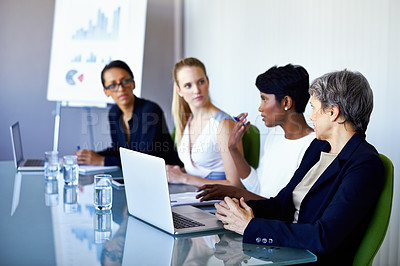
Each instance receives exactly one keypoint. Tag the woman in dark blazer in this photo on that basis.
(135, 123)
(327, 205)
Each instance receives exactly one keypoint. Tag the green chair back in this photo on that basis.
(251, 146)
(378, 226)
(173, 134)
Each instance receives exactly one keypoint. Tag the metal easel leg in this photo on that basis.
(90, 123)
(57, 126)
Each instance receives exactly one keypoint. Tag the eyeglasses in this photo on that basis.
(126, 83)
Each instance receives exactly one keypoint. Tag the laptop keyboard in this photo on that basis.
(184, 222)
(34, 162)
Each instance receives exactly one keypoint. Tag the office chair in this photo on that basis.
(378, 226)
(173, 135)
(251, 145)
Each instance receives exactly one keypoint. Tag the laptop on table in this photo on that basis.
(21, 163)
(147, 196)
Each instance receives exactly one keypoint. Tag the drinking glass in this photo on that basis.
(102, 191)
(51, 165)
(70, 170)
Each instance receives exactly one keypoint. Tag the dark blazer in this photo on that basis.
(335, 212)
(148, 133)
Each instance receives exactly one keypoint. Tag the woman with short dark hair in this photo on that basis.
(284, 97)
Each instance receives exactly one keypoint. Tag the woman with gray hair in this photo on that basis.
(327, 205)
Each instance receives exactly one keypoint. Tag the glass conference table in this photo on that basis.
(47, 223)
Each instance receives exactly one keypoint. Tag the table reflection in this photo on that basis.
(113, 248)
(73, 233)
(51, 192)
(229, 250)
(143, 241)
(70, 198)
(102, 225)
(79, 231)
(16, 192)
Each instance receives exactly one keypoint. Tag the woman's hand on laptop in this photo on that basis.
(218, 192)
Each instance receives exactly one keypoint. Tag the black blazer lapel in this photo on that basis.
(310, 158)
(337, 164)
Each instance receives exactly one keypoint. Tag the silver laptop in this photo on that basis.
(147, 197)
(20, 163)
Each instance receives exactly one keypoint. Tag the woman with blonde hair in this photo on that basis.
(202, 130)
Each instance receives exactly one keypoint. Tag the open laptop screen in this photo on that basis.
(16, 142)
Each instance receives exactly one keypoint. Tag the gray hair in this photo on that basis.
(348, 90)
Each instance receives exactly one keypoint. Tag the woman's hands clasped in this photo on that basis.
(234, 214)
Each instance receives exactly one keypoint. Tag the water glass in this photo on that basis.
(102, 225)
(102, 192)
(71, 170)
(51, 165)
(51, 192)
(70, 199)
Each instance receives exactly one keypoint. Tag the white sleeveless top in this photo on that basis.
(205, 156)
(280, 160)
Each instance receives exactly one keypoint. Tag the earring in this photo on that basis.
(286, 108)
(331, 119)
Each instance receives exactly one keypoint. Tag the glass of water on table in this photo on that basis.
(71, 170)
(51, 165)
(102, 192)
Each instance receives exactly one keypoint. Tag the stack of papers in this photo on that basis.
(91, 169)
(189, 198)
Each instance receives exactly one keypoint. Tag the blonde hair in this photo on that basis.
(180, 108)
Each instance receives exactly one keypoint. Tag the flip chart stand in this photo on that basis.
(57, 126)
(57, 119)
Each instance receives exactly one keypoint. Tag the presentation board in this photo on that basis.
(88, 34)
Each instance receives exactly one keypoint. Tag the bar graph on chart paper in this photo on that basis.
(87, 35)
(100, 29)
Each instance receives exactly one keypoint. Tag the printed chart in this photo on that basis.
(87, 35)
